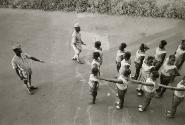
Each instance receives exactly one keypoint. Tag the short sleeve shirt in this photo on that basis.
(92, 79)
(179, 52)
(158, 53)
(180, 93)
(23, 62)
(166, 69)
(139, 55)
(124, 85)
(150, 89)
(118, 55)
(123, 64)
(76, 38)
(95, 62)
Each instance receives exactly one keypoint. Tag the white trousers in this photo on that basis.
(77, 50)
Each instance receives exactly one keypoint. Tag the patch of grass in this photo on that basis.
(153, 8)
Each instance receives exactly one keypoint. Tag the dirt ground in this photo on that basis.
(63, 95)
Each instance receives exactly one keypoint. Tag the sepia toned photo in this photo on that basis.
(92, 62)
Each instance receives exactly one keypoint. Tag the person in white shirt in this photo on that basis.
(96, 60)
(122, 85)
(180, 55)
(77, 42)
(139, 58)
(149, 91)
(147, 68)
(168, 71)
(22, 65)
(178, 97)
(160, 55)
(98, 48)
(119, 55)
(126, 61)
(93, 83)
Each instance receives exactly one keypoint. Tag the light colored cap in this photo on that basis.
(76, 25)
(17, 46)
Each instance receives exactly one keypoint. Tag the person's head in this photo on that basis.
(127, 55)
(94, 70)
(162, 44)
(77, 27)
(17, 50)
(126, 72)
(154, 75)
(97, 44)
(96, 55)
(122, 46)
(149, 60)
(143, 47)
(171, 60)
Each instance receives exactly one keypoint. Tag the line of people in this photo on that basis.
(146, 74)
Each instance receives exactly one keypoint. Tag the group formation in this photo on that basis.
(147, 70)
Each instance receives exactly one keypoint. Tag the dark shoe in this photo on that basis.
(33, 87)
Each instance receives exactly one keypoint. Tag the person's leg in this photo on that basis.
(27, 86)
(118, 66)
(164, 81)
(94, 92)
(175, 103)
(78, 55)
(158, 91)
(30, 83)
(147, 100)
(138, 68)
(158, 65)
(122, 97)
(77, 52)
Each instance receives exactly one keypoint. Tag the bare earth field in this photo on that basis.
(63, 95)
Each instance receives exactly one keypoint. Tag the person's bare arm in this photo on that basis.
(35, 59)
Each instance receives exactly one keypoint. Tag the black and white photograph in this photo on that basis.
(92, 62)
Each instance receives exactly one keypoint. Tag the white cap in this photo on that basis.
(76, 25)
